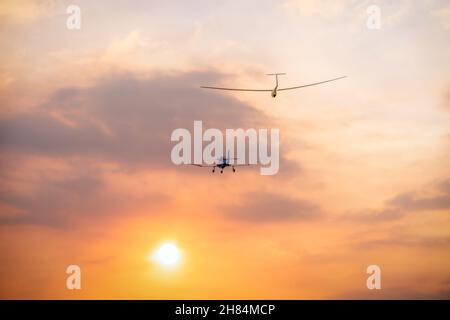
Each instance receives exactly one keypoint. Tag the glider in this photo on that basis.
(276, 89)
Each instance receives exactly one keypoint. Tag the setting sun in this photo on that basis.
(167, 255)
(125, 173)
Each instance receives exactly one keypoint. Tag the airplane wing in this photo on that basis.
(201, 165)
(311, 84)
(233, 89)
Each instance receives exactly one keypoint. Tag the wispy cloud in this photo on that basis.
(403, 240)
(444, 15)
(266, 207)
(406, 203)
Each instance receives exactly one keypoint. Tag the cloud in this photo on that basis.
(127, 52)
(53, 201)
(408, 241)
(408, 202)
(24, 11)
(261, 207)
(322, 8)
(413, 201)
(58, 201)
(446, 99)
(444, 15)
(123, 119)
(128, 119)
(391, 12)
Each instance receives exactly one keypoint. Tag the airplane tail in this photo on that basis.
(276, 77)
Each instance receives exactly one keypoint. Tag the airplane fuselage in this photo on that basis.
(274, 92)
(222, 165)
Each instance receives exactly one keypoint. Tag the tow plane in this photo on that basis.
(222, 163)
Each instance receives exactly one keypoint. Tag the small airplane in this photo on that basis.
(222, 164)
(274, 90)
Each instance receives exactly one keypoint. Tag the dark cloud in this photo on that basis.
(408, 202)
(57, 202)
(369, 215)
(126, 118)
(53, 201)
(444, 186)
(413, 201)
(122, 118)
(407, 241)
(270, 207)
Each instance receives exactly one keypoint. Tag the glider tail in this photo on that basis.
(276, 76)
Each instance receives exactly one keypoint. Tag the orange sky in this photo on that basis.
(85, 170)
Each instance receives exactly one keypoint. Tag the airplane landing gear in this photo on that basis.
(213, 170)
(221, 171)
(234, 170)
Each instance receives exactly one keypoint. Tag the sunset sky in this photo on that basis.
(86, 176)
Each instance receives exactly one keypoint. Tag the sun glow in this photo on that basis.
(167, 255)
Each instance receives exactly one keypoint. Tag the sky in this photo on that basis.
(85, 171)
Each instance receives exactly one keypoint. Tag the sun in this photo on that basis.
(167, 255)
